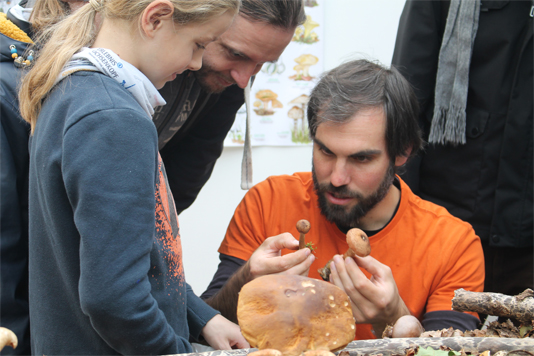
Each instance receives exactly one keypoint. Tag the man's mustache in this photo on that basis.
(339, 192)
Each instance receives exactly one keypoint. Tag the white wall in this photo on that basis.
(352, 29)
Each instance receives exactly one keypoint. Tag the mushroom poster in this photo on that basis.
(280, 91)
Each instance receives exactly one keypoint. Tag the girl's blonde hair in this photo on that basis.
(79, 30)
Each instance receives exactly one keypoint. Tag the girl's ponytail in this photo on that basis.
(63, 40)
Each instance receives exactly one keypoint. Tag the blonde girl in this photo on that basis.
(105, 259)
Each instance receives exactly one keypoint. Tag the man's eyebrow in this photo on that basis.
(367, 153)
(320, 144)
(230, 49)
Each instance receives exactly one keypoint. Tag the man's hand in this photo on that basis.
(375, 301)
(222, 334)
(267, 258)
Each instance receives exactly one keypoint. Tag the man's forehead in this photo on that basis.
(258, 41)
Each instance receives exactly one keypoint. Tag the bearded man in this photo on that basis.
(362, 119)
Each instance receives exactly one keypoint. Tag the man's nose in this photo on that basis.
(340, 175)
(242, 73)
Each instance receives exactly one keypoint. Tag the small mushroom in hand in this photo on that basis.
(7, 337)
(358, 246)
(303, 226)
(405, 326)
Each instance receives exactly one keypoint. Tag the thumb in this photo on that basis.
(370, 264)
(241, 343)
(285, 240)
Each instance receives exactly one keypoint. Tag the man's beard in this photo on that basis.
(338, 214)
(203, 74)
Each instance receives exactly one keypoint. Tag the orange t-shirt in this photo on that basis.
(430, 252)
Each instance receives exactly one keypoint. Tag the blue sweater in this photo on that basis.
(106, 273)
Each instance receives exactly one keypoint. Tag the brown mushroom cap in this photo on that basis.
(358, 242)
(294, 314)
(407, 326)
(265, 352)
(303, 226)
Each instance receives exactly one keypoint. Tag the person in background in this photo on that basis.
(363, 123)
(105, 260)
(16, 33)
(201, 106)
(470, 63)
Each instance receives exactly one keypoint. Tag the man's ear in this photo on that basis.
(154, 14)
(401, 160)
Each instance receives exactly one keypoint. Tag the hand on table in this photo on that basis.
(222, 334)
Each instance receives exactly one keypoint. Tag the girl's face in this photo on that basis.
(174, 48)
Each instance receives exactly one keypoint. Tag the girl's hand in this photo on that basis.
(222, 334)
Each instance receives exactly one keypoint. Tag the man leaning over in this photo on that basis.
(201, 106)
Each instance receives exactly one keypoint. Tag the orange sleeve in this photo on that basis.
(464, 269)
(246, 231)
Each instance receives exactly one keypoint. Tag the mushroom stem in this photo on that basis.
(303, 226)
(358, 246)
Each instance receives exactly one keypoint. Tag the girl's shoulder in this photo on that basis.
(85, 99)
(97, 88)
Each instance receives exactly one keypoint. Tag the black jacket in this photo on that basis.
(488, 181)
(193, 148)
(14, 165)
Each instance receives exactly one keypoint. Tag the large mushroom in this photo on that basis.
(295, 314)
(266, 97)
(305, 61)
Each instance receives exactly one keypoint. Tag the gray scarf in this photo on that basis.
(452, 80)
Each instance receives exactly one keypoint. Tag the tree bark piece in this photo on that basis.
(520, 307)
(390, 347)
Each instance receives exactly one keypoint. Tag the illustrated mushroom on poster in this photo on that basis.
(267, 102)
(304, 33)
(305, 61)
(297, 114)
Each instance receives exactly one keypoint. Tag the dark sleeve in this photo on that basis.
(227, 267)
(198, 313)
(190, 156)
(444, 319)
(415, 55)
(14, 165)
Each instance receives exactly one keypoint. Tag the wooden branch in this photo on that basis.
(390, 347)
(520, 307)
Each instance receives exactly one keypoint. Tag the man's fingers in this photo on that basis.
(302, 268)
(279, 242)
(286, 262)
